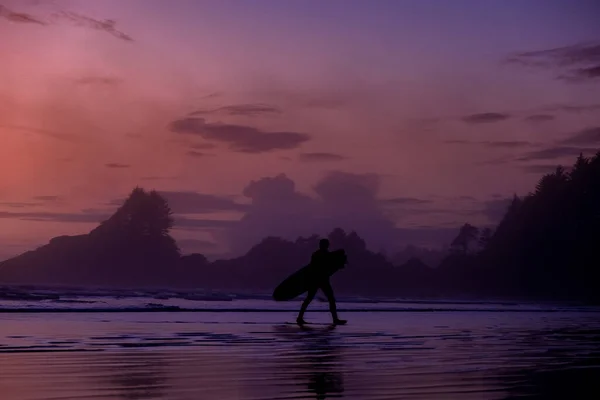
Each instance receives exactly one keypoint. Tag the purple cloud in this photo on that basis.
(82, 217)
(563, 56)
(552, 153)
(344, 200)
(107, 25)
(99, 80)
(405, 200)
(570, 108)
(484, 118)
(157, 178)
(539, 118)
(241, 109)
(240, 138)
(589, 73)
(202, 146)
(117, 165)
(195, 224)
(579, 62)
(189, 202)
(539, 168)
(18, 204)
(43, 132)
(588, 136)
(320, 157)
(509, 144)
(497, 143)
(46, 198)
(354, 187)
(200, 203)
(458, 141)
(197, 154)
(19, 17)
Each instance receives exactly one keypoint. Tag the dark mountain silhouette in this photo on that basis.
(273, 259)
(132, 247)
(546, 246)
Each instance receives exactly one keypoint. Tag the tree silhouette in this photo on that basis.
(143, 214)
(548, 243)
(467, 234)
(484, 238)
(139, 229)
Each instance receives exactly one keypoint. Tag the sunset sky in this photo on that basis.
(401, 119)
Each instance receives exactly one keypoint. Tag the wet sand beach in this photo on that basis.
(254, 355)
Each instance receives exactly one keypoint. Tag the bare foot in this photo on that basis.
(339, 322)
(300, 321)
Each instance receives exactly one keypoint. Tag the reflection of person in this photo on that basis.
(322, 362)
(318, 262)
(314, 361)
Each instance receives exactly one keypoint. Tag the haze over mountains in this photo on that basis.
(546, 246)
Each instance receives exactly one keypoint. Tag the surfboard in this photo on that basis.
(301, 280)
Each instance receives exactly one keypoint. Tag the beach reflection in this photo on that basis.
(567, 368)
(134, 375)
(314, 363)
(434, 356)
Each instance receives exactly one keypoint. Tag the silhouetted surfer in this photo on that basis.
(318, 263)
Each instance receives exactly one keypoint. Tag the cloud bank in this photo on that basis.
(19, 17)
(485, 118)
(312, 157)
(246, 110)
(576, 63)
(344, 200)
(239, 138)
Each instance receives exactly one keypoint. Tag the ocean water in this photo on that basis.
(156, 346)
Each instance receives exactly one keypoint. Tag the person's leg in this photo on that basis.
(309, 297)
(328, 290)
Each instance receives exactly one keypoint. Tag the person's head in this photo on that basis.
(323, 244)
